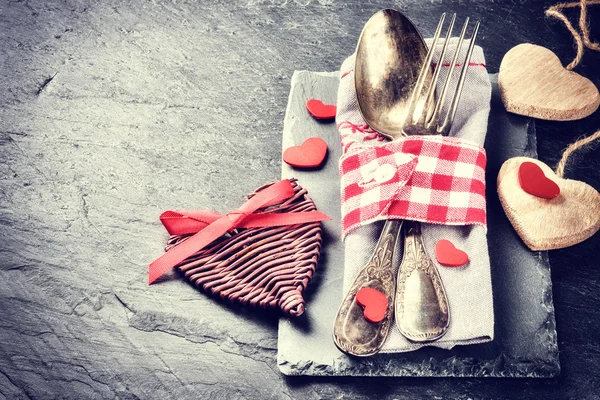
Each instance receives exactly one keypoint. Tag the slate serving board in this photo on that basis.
(525, 343)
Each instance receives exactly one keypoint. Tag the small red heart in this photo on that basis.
(374, 302)
(317, 109)
(308, 155)
(533, 181)
(448, 255)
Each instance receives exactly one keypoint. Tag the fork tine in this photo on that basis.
(431, 91)
(461, 80)
(416, 94)
(440, 101)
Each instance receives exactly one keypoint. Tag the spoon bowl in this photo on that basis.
(389, 56)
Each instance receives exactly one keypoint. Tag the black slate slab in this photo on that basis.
(525, 343)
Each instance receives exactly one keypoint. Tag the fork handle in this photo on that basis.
(421, 309)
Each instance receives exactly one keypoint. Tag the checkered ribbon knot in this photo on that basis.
(434, 179)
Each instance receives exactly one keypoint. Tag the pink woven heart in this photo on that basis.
(263, 267)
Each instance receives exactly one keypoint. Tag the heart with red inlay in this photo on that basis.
(545, 223)
(319, 110)
(448, 255)
(309, 154)
(374, 302)
(534, 182)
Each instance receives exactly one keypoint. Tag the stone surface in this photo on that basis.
(525, 343)
(112, 111)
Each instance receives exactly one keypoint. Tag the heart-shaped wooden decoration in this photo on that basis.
(309, 154)
(533, 181)
(320, 110)
(263, 267)
(533, 82)
(374, 302)
(448, 255)
(546, 224)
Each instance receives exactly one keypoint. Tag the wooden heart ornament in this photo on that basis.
(448, 255)
(263, 267)
(533, 180)
(320, 110)
(545, 224)
(374, 302)
(309, 154)
(533, 82)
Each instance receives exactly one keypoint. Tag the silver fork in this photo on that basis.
(421, 304)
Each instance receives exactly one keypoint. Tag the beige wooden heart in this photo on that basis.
(533, 82)
(544, 224)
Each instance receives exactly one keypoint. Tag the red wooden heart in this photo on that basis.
(308, 155)
(374, 302)
(317, 109)
(533, 181)
(448, 255)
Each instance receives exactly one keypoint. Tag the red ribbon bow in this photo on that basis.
(209, 226)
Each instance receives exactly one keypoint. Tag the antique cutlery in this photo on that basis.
(394, 103)
(389, 56)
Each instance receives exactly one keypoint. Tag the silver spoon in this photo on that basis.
(389, 57)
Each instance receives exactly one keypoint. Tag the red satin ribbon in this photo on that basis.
(209, 226)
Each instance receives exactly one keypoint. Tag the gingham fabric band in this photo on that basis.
(433, 179)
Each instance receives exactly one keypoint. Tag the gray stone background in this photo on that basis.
(113, 111)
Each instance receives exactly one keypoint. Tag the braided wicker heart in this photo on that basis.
(262, 267)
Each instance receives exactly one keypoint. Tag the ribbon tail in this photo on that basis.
(187, 248)
(186, 222)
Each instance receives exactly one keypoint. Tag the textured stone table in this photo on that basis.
(113, 111)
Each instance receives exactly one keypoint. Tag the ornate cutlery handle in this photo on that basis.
(352, 333)
(421, 309)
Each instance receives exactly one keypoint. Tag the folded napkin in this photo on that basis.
(468, 288)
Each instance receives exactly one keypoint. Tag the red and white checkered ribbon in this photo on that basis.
(433, 179)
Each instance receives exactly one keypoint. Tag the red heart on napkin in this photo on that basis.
(448, 255)
(308, 155)
(533, 181)
(374, 302)
(317, 109)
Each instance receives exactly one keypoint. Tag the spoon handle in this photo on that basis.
(352, 333)
(421, 309)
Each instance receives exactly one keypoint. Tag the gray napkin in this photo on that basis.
(469, 287)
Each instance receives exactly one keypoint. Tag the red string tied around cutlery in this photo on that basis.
(207, 226)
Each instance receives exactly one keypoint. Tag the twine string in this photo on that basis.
(560, 169)
(585, 28)
(554, 11)
(582, 40)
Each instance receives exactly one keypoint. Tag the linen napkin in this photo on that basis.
(468, 288)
